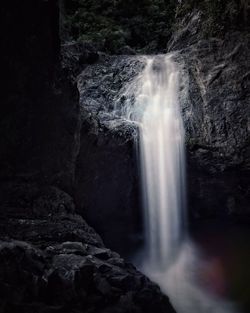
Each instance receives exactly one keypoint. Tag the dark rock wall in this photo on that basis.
(50, 259)
(39, 109)
(107, 190)
(216, 114)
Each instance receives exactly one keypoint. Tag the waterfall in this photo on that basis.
(153, 104)
(169, 258)
(162, 159)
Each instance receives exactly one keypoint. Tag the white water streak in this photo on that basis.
(169, 258)
(162, 159)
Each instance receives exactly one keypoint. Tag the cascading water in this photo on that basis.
(162, 159)
(169, 258)
(156, 110)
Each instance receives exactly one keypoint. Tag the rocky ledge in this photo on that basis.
(52, 261)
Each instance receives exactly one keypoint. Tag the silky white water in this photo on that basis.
(156, 110)
(162, 160)
(169, 257)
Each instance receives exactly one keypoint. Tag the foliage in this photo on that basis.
(145, 25)
(113, 24)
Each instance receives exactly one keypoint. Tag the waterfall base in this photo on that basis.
(182, 282)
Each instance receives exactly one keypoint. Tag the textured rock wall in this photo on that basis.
(107, 189)
(216, 115)
(52, 261)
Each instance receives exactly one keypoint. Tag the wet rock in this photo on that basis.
(215, 113)
(106, 188)
(50, 280)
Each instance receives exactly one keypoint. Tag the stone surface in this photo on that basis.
(216, 115)
(59, 264)
(107, 191)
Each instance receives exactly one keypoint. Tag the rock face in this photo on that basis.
(52, 261)
(107, 190)
(216, 115)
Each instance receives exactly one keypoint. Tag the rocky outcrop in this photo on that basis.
(52, 261)
(107, 190)
(216, 115)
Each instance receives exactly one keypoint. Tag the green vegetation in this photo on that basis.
(145, 25)
(113, 24)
